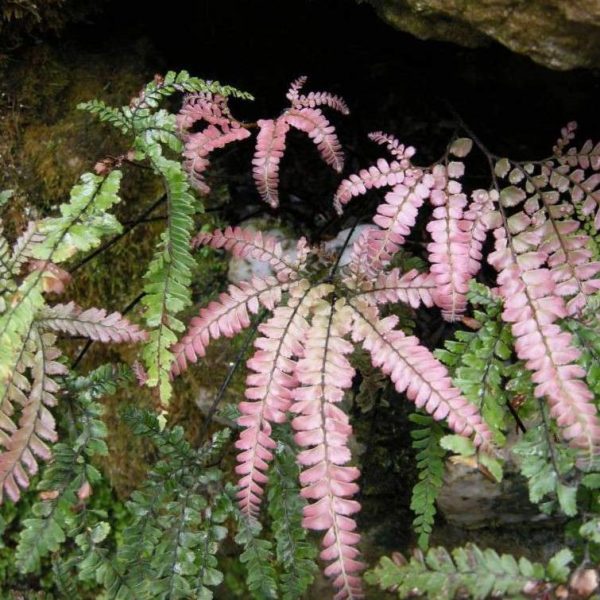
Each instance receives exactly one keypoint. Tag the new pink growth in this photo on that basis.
(225, 317)
(270, 146)
(245, 243)
(449, 252)
(323, 430)
(416, 372)
(531, 305)
(221, 130)
(313, 122)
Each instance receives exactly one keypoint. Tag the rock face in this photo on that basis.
(560, 34)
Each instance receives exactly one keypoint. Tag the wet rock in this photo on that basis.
(560, 34)
(470, 500)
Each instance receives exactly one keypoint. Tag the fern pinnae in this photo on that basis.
(532, 308)
(257, 557)
(323, 429)
(246, 243)
(36, 424)
(66, 481)
(414, 370)
(294, 552)
(15, 387)
(449, 250)
(92, 323)
(412, 288)
(168, 277)
(476, 360)
(270, 146)
(226, 316)
(426, 437)
(269, 390)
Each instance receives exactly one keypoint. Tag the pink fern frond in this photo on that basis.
(449, 250)
(246, 243)
(415, 371)
(294, 91)
(395, 217)
(548, 218)
(588, 156)
(412, 288)
(401, 152)
(478, 212)
(269, 391)
(532, 307)
(92, 323)
(571, 175)
(569, 257)
(381, 174)
(198, 147)
(270, 146)
(314, 99)
(226, 316)
(323, 430)
(36, 424)
(207, 107)
(141, 375)
(15, 388)
(313, 122)
(567, 133)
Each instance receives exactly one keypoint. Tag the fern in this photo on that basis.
(168, 550)
(478, 360)
(548, 467)
(468, 570)
(294, 552)
(69, 480)
(257, 558)
(430, 464)
(168, 279)
(83, 221)
(321, 308)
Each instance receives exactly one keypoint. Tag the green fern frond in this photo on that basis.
(548, 465)
(294, 552)
(107, 114)
(69, 479)
(466, 572)
(257, 558)
(430, 465)
(169, 549)
(168, 277)
(478, 359)
(84, 220)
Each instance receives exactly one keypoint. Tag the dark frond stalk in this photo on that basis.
(132, 225)
(230, 373)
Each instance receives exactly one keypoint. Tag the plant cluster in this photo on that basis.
(525, 350)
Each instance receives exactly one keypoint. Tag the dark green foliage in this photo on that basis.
(467, 571)
(548, 466)
(586, 337)
(70, 478)
(478, 360)
(430, 455)
(169, 548)
(295, 554)
(257, 557)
